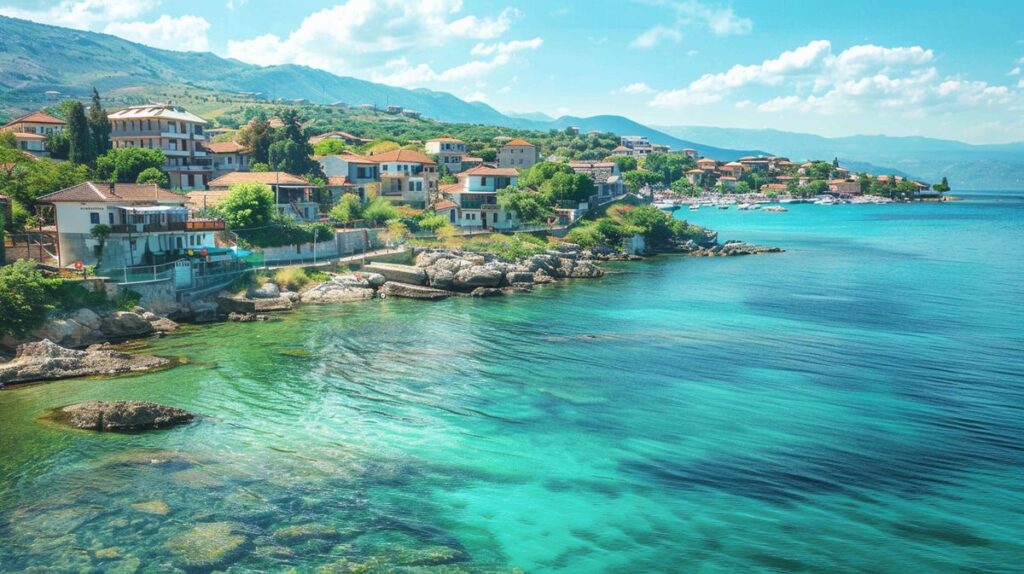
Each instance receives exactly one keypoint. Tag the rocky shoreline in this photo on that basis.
(49, 351)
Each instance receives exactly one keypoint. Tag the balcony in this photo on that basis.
(170, 226)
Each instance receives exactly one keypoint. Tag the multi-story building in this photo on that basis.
(606, 176)
(639, 146)
(349, 173)
(518, 154)
(227, 157)
(31, 131)
(476, 196)
(449, 151)
(293, 195)
(171, 129)
(143, 219)
(407, 176)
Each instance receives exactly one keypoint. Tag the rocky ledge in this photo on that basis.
(729, 248)
(121, 416)
(46, 360)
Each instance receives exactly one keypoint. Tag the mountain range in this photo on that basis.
(35, 58)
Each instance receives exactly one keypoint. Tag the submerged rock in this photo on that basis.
(158, 507)
(248, 317)
(122, 415)
(207, 546)
(302, 532)
(46, 360)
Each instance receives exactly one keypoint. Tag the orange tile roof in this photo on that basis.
(264, 177)
(224, 147)
(28, 136)
(446, 140)
(36, 118)
(445, 204)
(352, 158)
(496, 171)
(337, 180)
(451, 187)
(621, 148)
(90, 191)
(402, 156)
(519, 142)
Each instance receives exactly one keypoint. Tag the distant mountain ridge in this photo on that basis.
(968, 166)
(36, 57)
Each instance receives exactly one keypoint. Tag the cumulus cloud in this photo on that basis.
(634, 89)
(187, 33)
(365, 29)
(232, 4)
(720, 20)
(506, 47)
(860, 78)
(83, 14)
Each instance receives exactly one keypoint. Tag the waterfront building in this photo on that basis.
(171, 129)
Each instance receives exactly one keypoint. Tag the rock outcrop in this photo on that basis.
(46, 360)
(121, 416)
(342, 288)
(408, 274)
(483, 275)
(406, 291)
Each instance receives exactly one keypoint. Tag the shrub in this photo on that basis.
(292, 278)
(247, 205)
(154, 175)
(433, 222)
(348, 208)
(586, 236)
(127, 300)
(25, 296)
(379, 210)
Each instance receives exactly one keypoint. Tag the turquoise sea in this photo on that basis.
(855, 404)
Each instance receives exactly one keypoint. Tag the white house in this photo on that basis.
(350, 173)
(476, 196)
(178, 133)
(143, 219)
(449, 152)
(31, 130)
(227, 157)
(407, 176)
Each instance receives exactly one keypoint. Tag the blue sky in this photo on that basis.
(936, 68)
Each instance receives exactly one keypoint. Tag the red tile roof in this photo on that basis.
(28, 136)
(445, 204)
(352, 158)
(519, 142)
(337, 180)
(91, 191)
(264, 177)
(35, 118)
(402, 156)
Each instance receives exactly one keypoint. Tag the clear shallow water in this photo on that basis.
(855, 404)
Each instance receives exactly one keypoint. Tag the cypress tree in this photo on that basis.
(99, 126)
(81, 150)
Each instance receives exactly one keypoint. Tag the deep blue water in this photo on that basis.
(855, 404)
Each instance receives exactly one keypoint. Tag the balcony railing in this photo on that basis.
(170, 226)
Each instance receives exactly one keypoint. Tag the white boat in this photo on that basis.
(666, 206)
(694, 206)
(775, 209)
(826, 201)
(743, 206)
(723, 206)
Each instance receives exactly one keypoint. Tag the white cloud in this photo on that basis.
(370, 32)
(476, 97)
(399, 72)
(720, 20)
(862, 78)
(506, 47)
(83, 14)
(187, 33)
(1014, 72)
(232, 4)
(655, 36)
(634, 89)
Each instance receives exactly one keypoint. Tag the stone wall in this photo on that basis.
(346, 242)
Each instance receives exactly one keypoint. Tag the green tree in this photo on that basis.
(528, 205)
(742, 187)
(942, 187)
(816, 186)
(626, 163)
(80, 149)
(9, 142)
(488, 154)
(99, 126)
(154, 175)
(24, 298)
(348, 208)
(433, 222)
(670, 166)
(330, 147)
(636, 180)
(59, 145)
(247, 205)
(257, 137)
(124, 164)
(542, 172)
(259, 167)
(379, 210)
(100, 233)
(30, 179)
(3, 245)
(567, 187)
(682, 186)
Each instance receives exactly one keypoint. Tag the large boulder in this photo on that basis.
(408, 274)
(339, 289)
(203, 311)
(86, 317)
(440, 278)
(46, 360)
(125, 325)
(478, 276)
(122, 415)
(394, 289)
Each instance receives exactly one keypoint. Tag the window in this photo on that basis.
(110, 217)
(94, 218)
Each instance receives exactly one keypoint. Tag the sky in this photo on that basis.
(938, 68)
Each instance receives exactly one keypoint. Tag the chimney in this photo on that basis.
(112, 188)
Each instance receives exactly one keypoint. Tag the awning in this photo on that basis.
(154, 209)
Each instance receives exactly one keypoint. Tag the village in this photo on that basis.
(187, 220)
